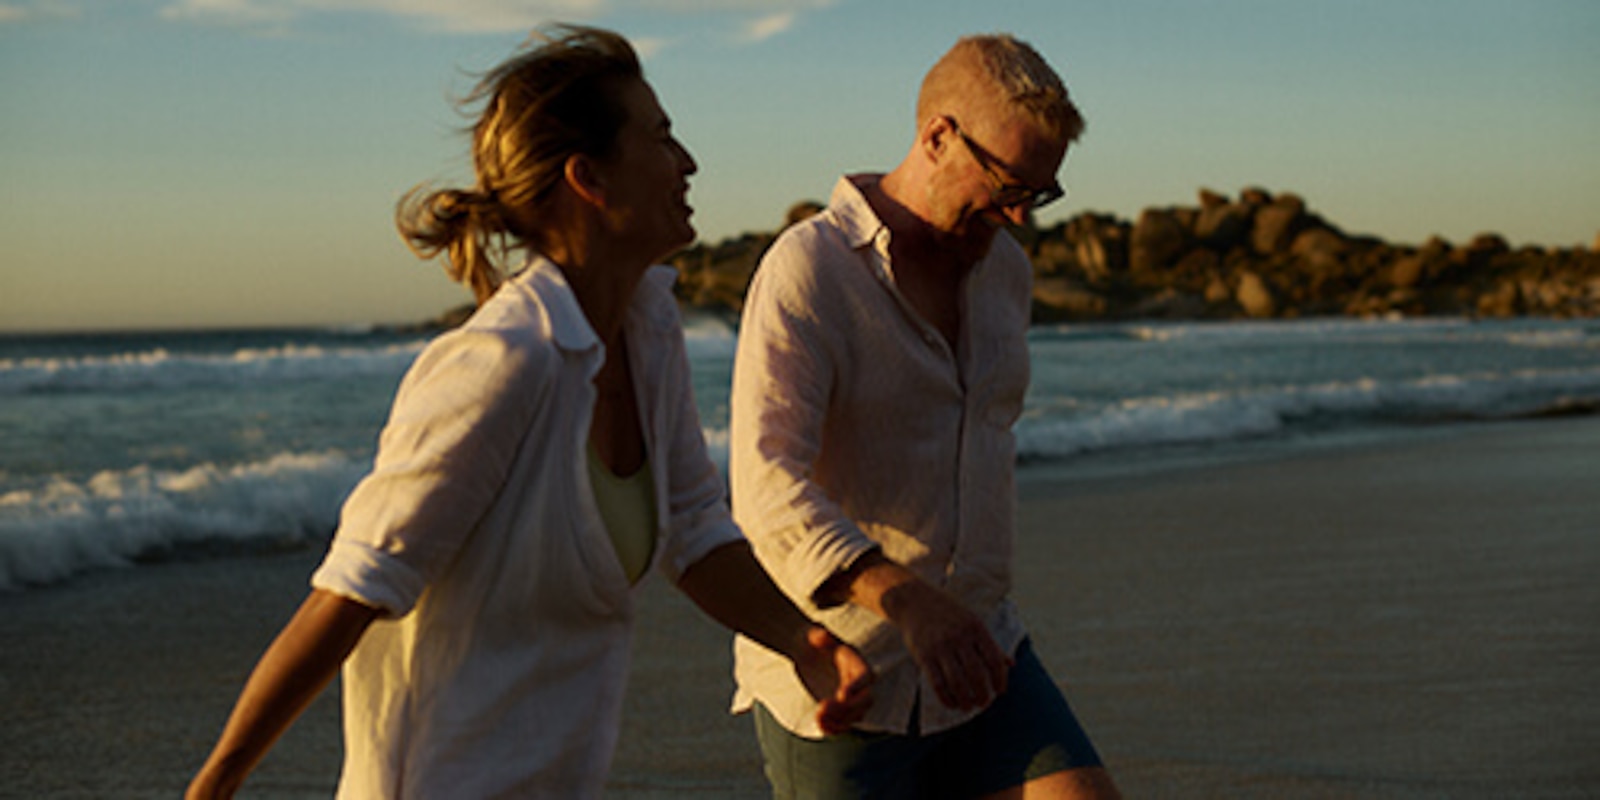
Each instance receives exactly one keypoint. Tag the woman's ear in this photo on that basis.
(584, 179)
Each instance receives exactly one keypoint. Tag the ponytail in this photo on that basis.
(466, 226)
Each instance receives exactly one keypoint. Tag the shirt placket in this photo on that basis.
(953, 363)
(961, 372)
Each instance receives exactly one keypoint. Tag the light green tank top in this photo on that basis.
(628, 508)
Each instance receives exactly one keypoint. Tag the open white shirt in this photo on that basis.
(500, 667)
(855, 426)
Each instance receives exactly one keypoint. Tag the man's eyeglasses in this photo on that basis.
(1003, 192)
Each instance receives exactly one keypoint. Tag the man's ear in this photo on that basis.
(935, 136)
(584, 179)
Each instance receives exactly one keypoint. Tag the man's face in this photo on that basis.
(991, 175)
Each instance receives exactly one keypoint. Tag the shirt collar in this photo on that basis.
(569, 326)
(861, 225)
(857, 220)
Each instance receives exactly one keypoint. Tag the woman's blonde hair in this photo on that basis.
(557, 98)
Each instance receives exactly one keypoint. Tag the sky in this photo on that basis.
(235, 163)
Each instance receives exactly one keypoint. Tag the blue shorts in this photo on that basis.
(1028, 733)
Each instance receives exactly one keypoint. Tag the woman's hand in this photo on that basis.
(730, 585)
(836, 676)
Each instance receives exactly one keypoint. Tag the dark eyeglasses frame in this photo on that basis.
(1004, 193)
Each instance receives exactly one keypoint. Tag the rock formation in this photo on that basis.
(1259, 255)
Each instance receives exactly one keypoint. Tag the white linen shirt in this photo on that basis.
(500, 665)
(854, 426)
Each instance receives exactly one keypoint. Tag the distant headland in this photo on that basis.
(1260, 255)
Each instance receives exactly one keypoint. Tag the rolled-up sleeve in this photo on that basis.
(698, 519)
(457, 422)
(783, 375)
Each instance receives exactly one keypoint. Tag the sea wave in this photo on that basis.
(248, 470)
(1049, 432)
(708, 336)
(60, 528)
(1313, 329)
(161, 368)
(1524, 332)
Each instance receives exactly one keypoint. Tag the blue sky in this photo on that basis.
(205, 163)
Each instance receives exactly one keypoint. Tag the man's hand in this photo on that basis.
(837, 677)
(950, 644)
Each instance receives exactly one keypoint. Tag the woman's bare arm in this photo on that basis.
(730, 585)
(297, 666)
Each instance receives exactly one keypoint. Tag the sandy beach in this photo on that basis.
(1411, 619)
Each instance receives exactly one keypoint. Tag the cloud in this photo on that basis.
(769, 18)
(723, 6)
(453, 16)
(762, 19)
(764, 28)
(16, 13)
(237, 13)
(648, 46)
(751, 21)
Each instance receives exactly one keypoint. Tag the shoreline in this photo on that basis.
(1400, 619)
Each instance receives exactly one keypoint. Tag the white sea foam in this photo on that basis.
(211, 477)
(1318, 329)
(708, 337)
(1219, 416)
(61, 527)
(160, 368)
(1529, 333)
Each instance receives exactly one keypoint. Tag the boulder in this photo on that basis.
(1255, 196)
(1504, 300)
(1277, 223)
(1217, 291)
(1059, 298)
(1224, 226)
(1159, 237)
(1100, 242)
(1255, 296)
(1407, 272)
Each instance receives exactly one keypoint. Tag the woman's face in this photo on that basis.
(647, 178)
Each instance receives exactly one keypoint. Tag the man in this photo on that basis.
(882, 361)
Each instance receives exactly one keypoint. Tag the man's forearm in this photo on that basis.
(874, 582)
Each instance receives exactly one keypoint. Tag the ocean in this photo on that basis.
(120, 449)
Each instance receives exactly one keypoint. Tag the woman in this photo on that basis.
(478, 591)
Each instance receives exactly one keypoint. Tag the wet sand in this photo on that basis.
(1380, 620)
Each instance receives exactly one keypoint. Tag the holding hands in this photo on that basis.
(950, 644)
(837, 676)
